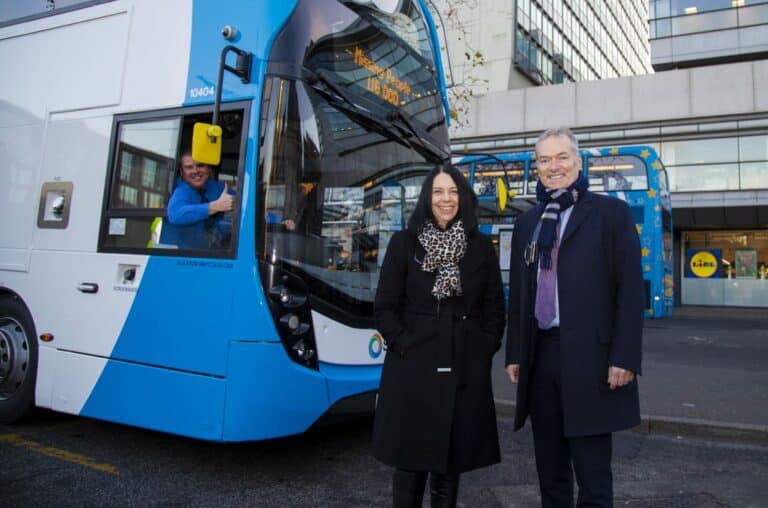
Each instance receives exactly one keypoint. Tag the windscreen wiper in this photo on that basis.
(423, 138)
(341, 100)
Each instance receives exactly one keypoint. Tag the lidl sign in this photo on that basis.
(703, 263)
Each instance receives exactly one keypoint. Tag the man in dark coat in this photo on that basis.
(575, 325)
(435, 411)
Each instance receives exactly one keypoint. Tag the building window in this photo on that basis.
(704, 177)
(705, 22)
(717, 164)
(700, 151)
(725, 268)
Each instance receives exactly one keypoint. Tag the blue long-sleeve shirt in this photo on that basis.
(188, 225)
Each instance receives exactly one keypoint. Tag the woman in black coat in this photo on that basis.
(440, 308)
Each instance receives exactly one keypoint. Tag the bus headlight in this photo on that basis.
(288, 298)
(293, 322)
(303, 350)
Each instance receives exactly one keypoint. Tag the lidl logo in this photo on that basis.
(703, 264)
(375, 346)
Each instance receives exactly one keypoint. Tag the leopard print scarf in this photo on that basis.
(444, 249)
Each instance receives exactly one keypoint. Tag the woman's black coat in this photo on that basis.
(430, 420)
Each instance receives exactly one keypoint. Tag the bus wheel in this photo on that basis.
(18, 360)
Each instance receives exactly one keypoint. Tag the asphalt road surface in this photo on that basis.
(60, 460)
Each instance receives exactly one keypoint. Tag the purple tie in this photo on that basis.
(545, 291)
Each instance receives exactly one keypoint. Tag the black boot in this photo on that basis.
(408, 488)
(444, 489)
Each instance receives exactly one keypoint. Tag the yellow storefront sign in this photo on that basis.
(703, 264)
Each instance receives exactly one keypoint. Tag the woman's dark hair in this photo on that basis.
(467, 201)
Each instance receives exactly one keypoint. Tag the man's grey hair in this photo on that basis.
(559, 131)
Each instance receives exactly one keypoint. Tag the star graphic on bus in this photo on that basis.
(646, 251)
(639, 228)
(651, 193)
(645, 154)
(614, 151)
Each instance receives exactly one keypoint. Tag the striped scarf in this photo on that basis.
(555, 201)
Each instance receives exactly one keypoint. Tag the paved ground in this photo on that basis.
(704, 444)
(61, 461)
(705, 370)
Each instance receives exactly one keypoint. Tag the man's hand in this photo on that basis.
(513, 371)
(618, 377)
(225, 202)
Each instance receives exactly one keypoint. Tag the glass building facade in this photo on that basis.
(577, 40)
(690, 33)
(668, 18)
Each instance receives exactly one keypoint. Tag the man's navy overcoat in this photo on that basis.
(601, 298)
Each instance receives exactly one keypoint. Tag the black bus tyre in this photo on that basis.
(18, 360)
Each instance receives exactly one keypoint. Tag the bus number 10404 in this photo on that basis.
(202, 91)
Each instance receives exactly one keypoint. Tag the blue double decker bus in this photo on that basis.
(328, 114)
(634, 174)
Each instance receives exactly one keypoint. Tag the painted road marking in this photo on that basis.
(58, 453)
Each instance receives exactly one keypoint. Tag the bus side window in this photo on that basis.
(617, 173)
(139, 182)
(145, 207)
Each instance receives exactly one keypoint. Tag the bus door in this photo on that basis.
(69, 292)
(148, 305)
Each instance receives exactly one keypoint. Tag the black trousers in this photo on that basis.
(558, 457)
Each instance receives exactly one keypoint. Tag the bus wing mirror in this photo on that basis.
(502, 194)
(206, 143)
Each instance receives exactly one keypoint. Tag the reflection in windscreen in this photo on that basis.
(341, 151)
(334, 194)
(401, 17)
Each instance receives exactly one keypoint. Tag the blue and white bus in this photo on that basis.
(634, 174)
(331, 113)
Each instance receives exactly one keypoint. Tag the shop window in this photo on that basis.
(739, 254)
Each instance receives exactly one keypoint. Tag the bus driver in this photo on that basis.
(196, 208)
